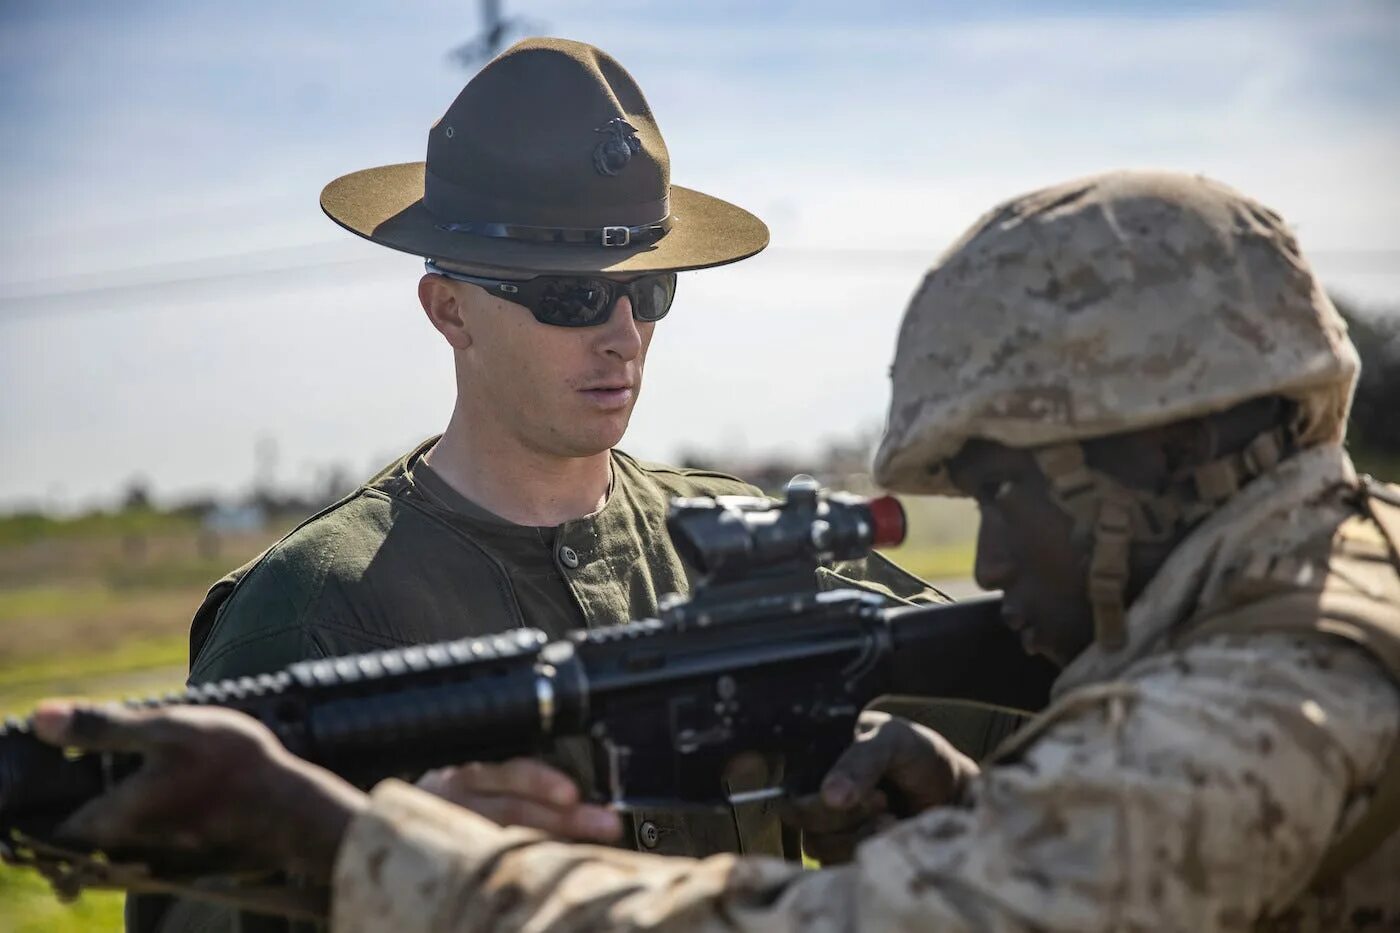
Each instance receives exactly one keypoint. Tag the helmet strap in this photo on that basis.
(1113, 516)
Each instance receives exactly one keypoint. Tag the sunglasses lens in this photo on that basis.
(569, 302)
(583, 302)
(653, 296)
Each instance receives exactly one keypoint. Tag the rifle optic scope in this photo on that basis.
(728, 537)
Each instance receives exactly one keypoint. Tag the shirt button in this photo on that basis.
(568, 557)
(649, 834)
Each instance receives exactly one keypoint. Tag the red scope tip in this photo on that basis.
(887, 515)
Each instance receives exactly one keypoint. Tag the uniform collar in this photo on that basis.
(410, 478)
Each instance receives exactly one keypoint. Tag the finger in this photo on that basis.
(436, 782)
(859, 769)
(120, 818)
(590, 823)
(107, 728)
(925, 770)
(871, 721)
(812, 815)
(519, 777)
(51, 720)
(521, 811)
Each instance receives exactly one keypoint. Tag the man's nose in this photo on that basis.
(993, 567)
(621, 336)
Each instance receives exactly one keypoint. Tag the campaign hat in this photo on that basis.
(548, 162)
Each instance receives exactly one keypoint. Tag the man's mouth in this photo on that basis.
(608, 395)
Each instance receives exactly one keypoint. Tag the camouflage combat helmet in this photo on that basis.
(1107, 305)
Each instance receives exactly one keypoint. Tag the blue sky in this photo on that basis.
(170, 292)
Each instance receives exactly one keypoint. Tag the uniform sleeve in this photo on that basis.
(256, 630)
(299, 601)
(1198, 793)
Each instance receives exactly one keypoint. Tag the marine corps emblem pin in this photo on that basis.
(612, 154)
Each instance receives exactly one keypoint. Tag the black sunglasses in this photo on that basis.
(575, 300)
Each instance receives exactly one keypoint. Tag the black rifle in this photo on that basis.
(758, 659)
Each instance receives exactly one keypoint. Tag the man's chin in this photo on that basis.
(591, 443)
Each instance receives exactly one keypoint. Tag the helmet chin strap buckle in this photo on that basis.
(1104, 513)
(1220, 479)
(1108, 572)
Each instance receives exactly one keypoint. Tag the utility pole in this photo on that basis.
(495, 29)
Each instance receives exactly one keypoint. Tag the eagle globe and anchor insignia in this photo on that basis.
(612, 154)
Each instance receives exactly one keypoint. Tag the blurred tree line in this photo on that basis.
(1374, 431)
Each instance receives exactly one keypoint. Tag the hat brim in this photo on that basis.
(385, 205)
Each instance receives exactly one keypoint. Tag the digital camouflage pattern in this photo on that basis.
(1105, 305)
(1187, 785)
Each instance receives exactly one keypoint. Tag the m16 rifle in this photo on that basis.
(759, 658)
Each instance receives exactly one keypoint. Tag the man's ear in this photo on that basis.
(446, 309)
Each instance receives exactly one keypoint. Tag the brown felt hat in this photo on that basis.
(549, 161)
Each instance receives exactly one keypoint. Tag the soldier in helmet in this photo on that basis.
(1141, 383)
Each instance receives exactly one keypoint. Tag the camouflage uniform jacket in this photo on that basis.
(1181, 783)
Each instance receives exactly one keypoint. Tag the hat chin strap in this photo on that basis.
(1115, 516)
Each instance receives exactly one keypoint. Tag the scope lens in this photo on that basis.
(887, 515)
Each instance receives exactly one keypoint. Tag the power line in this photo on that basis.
(67, 303)
(191, 270)
(178, 270)
(65, 295)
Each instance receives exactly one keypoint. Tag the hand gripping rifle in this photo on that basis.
(757, 659)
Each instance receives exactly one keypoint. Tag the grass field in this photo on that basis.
(97, 607)
(100, 607)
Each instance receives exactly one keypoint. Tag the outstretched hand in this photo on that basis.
(212, 782)
(894, 769)
(525, 792)
(216, 785)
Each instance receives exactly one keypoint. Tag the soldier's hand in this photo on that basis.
(894, 769)
(213, 783)
(525, 792)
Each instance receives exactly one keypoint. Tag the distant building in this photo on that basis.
(226, 518)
